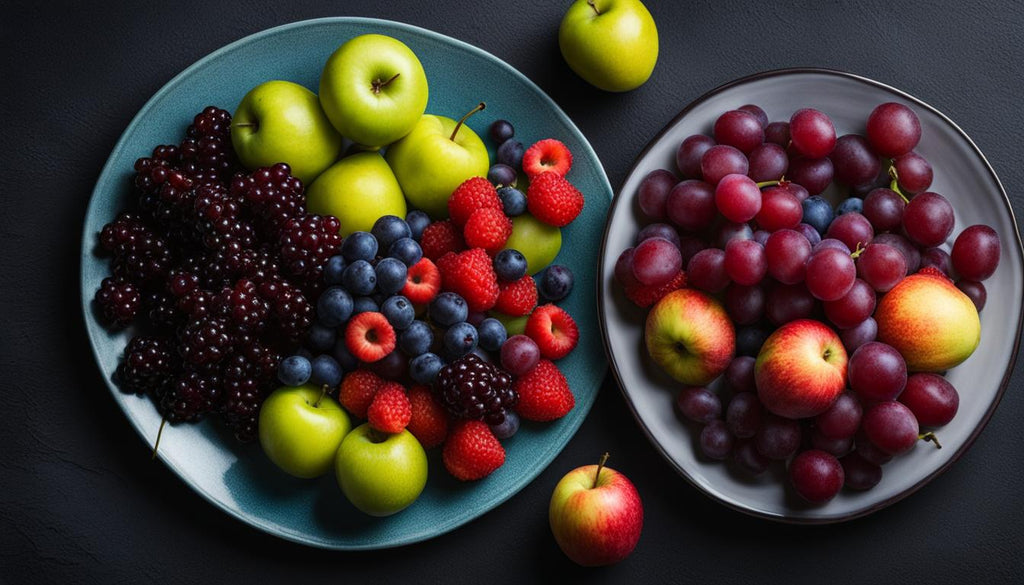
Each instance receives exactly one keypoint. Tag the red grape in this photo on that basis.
(745, 262)
(884, 209)
(715, 440)
(658, 230)
(762, 117)
(859, 334)
(721, 160)
(891, 427)
(830, 274)
(768, 162)
(860, 474)
(893, 129)
(738, 198)
(853, 229)
(788, 302)
(780, 209)
(830, 243)
(706, 270)
(812, 133)
(852, 308)
(744, 304)
(777, 133)
(842, 419)
(746, 455)
(777, 438)
(837, 447)
(740, 129)
(937, 258)
(798, 191)
(816, 476)
(910, 252)
(868, 450)
(932, 399)
(691, 205)
(814, 174)
(877, 372)
(743, 415)
(740, 374)
(653, 191)
(624, 268)
(974, 291)
(656, 261)
(976, 252)
(855, 163)
(928, 219)
(881, 266)
(913, 173)
(689, 153)
(786, 252)
(698, 404)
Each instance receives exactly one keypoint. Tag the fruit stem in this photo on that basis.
(478, 108)
(600, 466)
(894, 184)
(764, 184)
(592, 5)
(378, 85)
(930, 436)
(159, 434)
(858, 251)
(323, 391)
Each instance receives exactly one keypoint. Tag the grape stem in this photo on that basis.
(894, 184)
(594, 6)
(858, 251)
(323, 391)
(479, 107)
(930, 436)
(764, 184)
(600, 466)
(159, 433)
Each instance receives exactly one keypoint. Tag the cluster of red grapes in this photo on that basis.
(747, 222)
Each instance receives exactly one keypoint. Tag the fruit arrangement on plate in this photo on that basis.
(830, 326)
(282, 275)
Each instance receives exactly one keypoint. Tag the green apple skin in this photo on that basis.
(429, 165)
(513, 325)
(358, 97)
(381, 473)
(537, 241)
(596, 525)
(615, 50)
(689, 335)
(281, 121)
(357, 190)
(300, 430)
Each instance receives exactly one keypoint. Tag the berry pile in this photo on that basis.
(750, 223)
(409, 324)
(216, 269)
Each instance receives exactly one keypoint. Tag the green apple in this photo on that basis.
(435, 158)
(281, 121)
(358, 190)
(612, 44)
(536, 240)
(300, 429)
(381, 473)
(373, 89)
(513, 325)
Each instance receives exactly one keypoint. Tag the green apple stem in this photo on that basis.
(159, 433)
(600, 466)
(323, 391)
(894, 184)
(479, 107)
(930, 436)
(378, 85)
(594, 6)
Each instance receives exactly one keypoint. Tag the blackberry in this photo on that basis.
(122, 234)
(243, 306)
(212, 121)
(208, 159)
(252, 264)
(190, 396)
(305, 245)
(244, 391)
(205, 340)
(272, 195)
(118, 300)
(180, 282)
(148, 363)
(147, 262)
(471, 388)
(162, 310)
(290, 311)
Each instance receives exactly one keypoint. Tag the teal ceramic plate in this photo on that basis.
(239, 479)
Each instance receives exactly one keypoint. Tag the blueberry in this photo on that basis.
(424, 368)
(334, 306)
(388, 229)
(406, 250)
(510, 265)
(326, 370)
(817, 213)
(343, 356)
(418, 221)
(460, 339)
(492, 334)
(333, 268)
(359, 246)
(500, 174)
(294, 370)
(398, 311)
(749, 340)
(364, 305)
(854, 204)
(391, 275)
(500, 131)
(321, 337)
(507, 427)
(555, 282)
(448, 309)
(511, 153)
(359, 278)
(513, 201)
(416, 339)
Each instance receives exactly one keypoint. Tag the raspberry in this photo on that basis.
(547, 155)
(429, 421)
(471, 275)
(488, 229)
(369, 336)
(422, 283)
(517, 298)
(471, 388)
(439, 238)
(471, 451)
(390, 409)
(554, 331)
(473, 194)
(645, 296)
(553, 200)
(544, 393)
(357, 391)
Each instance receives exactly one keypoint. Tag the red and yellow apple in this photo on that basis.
(690, 336)
(801, 369)
(929, 321)
(596, 515)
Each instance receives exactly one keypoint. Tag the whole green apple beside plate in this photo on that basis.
(239, 479)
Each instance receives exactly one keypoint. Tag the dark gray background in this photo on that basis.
(81, 502)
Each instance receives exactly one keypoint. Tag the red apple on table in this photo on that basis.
(596, 515)
(689, 335)
(801, 369)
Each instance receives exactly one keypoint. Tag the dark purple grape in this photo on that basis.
(855, 163)
(913, 173)
(853, 229)
(974, 291)
(877, 372)
(653, 191)
(928, 219)
(859, 473)
(715, 440)
(975, 252)
(740, 374)
(937, 258)
(836, 447)
(740, 129)
(852, 308)
(746, 455)
(729, 231)
(884, 209)
(891, 427)
(658, 230)
(744, 304)
(814, 174)
(721, 160)
(842, 419)
(816, 476)
(788, 302)
(762, 117)
(706, 270)
(859, 334)
(777, 133)
(909, 250)
(698, 404)
(932, 399)
(689, 154)
(743, 415)
(768, 162)
(777, 438)
(691, 205)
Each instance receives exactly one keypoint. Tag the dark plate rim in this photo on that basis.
(613, 364)
(88, 241)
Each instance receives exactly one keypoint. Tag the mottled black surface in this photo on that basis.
(81, 502)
